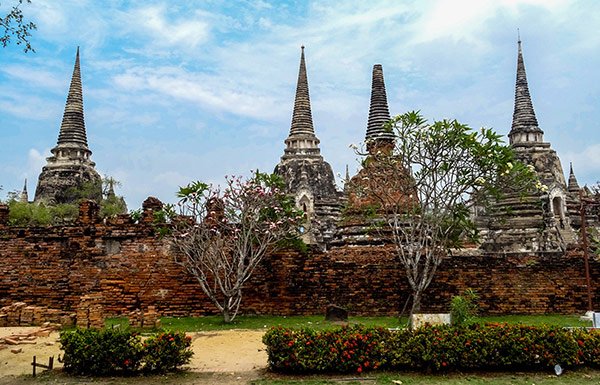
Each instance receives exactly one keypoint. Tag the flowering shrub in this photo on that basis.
(167, 351)
(100, 352)
(116, 351)
(349, 349)
(441, 348)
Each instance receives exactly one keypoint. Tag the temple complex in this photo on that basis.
(535, 221)
(70, 172)
(308, 177)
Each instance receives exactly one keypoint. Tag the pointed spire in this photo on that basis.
(573, 186)
(524, 125)
(302, 122)
(24, 194)
(379, 112)
(302, 140)
(72, 129)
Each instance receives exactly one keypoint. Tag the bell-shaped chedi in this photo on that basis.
(307, 176)
(69, 174)
(383, 184)
(538, 221)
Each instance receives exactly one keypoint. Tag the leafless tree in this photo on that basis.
(222, 235)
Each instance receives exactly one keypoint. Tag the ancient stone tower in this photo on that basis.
(376, 180)
(69, 174)
(307, 176)
(538, 221)
(377, 137)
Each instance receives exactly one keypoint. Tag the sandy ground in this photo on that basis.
(230, 352)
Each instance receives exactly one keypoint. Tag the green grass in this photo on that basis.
(569, 378)
(534, 320)
(583, 377)
(209, 323)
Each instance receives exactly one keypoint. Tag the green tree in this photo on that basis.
(425, 184)
(221, 235)
(111, 204)
(15, 26)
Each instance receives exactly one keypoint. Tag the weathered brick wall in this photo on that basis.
(131, 268)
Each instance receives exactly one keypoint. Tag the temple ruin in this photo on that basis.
(70, 172)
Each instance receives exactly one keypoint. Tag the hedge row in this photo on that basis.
(116, 351)
(440, 348)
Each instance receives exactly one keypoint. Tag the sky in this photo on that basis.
(176, 92)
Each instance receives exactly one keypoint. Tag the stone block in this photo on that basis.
(336, 314)
(420, 320)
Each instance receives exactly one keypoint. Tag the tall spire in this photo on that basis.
(24, 194)
(524, 125)
(302, 139)
(573, 186)
(72, 129)
(70, 167)
(302, 122)
(379, 112)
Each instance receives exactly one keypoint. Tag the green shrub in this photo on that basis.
(121, 352)
(463, 308)
(440, 348)
(166, 351)
(101, 352)
(349, 349)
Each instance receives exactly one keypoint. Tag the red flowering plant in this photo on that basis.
(439, 348)
(101, 352)
(349, 349)
(167, 351)
(121, 352)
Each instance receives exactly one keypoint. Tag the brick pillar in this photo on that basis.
(90, 312)
(4, 214)
(88, 212)
(149, 207)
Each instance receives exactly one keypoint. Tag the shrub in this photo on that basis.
(100, 352)
(117, 351)
(440, 348)
(349, 349)
(167, 351)
(463, 308)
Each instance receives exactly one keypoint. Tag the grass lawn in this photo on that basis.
(261, 378)
(569, 378)
(208, 323)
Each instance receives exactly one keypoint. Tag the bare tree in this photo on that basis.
(222, 235)
(422, 186)
(15, 26)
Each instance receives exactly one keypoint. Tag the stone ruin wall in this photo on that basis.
(130, 268)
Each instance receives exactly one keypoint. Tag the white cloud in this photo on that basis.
(167, 31)
(35, 161)
(210, 92)
(35, 77)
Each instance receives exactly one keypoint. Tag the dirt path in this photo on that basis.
(235, 354)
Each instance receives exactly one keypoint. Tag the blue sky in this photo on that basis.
(181, 91)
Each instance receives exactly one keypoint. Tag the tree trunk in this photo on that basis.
(226, 316)
(416, 306)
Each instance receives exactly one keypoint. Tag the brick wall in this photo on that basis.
(131, 268)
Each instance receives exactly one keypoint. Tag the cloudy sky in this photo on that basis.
(181, 91)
